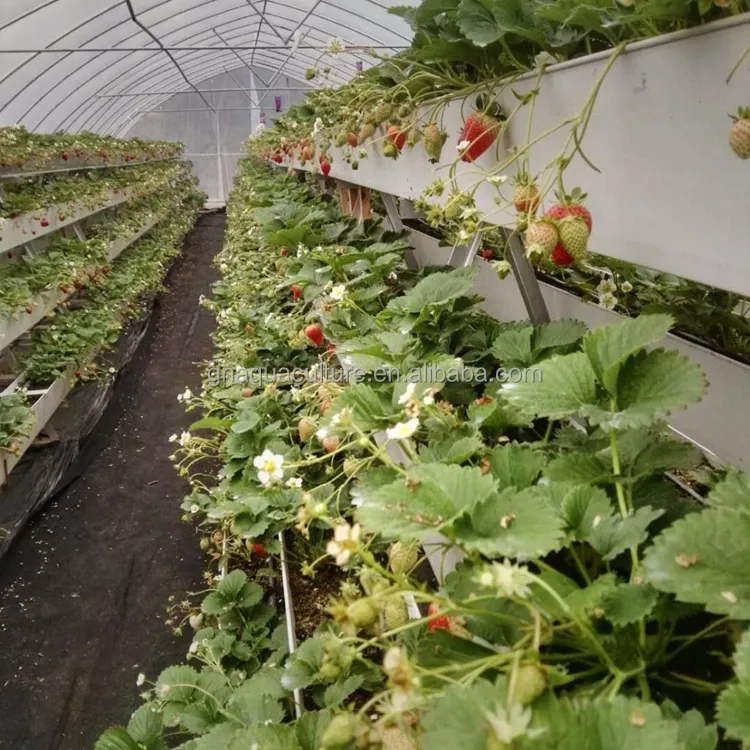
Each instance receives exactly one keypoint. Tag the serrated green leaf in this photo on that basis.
(437, 289)
(310, 728)
(458, 718)
(116, 738)
(145, 727)
(231, 584)
(365, 408)
(512, 524)
(513, 348)
(516, 465)
(251, 706)
(613, 535)
(732, 493)
(567, 384)
(695, 733)
(629, 603)
(267, 737)
(609, 347)
(733, 710)
(585, 600)
(579, 468)
(558, 333)
(703, 559)
(455, 449)
(435, 494)
(337, 693)
(177, 684)
(651, 385)
(583, 507)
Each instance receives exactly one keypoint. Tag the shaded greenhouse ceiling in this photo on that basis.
(81, 65)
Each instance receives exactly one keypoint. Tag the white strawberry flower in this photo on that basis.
(498, 179)
(606, 286)
(140, 679)
(185, 439)
(468, 213)
(338, 292)
(511, 723)
(194, 508)
(463, 145)
(626, 287)
(173, 438)
(294, 483)
(507, 579)
(185, 396)
(270, 467)
(403, 430)
(345, 542)
(322, 433)
(318, 126)
(608, 301)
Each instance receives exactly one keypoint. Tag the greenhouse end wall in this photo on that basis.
(213, 140)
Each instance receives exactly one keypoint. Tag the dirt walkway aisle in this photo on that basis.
(83, 593)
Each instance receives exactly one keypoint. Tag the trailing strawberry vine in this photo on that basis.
(590, 603)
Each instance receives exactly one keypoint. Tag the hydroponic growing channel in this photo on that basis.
(467, 459)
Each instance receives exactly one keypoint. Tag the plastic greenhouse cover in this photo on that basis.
(111, 67)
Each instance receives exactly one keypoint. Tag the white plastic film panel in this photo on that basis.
(75, 90)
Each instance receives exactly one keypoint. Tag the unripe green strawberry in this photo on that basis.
(402, 557)
(413, 136)
(340, 139)
(396, 738)
(362, 613)
(404, 111)
(530, 683)
(739, 135)
(433, 139)
(306, 429)
(350, 466)
(390, 151)
(543, 236)
(574, 236)
(366, 131)
(382, 112)
(340, 732)
(396, 613)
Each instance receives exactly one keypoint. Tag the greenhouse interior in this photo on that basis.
(374, 375)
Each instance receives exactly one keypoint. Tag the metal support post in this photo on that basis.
(528, 284)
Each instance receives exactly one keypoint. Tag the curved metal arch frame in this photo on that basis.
(64, 122)
(211, 69)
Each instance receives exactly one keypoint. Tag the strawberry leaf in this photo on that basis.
(516, 465)
(609, 347)
(613, 535)
(567, 383)
(512, 524)
(686, 560)
(629, 603)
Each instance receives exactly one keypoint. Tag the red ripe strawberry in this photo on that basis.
(480, 131)
(29, 309)
(246, 393)
(63, 288)
(77, 284)
(64, 156)
(325, 168)
(487, 253)
(315, 333)
(105, 270)
(352, 139)
(560, 257)
(396, 136)
(260, 550)
(440, 622)
(44, 223)
(331, 348)
(570, 206)
(277, 158)
(296, 290)
(284, 252)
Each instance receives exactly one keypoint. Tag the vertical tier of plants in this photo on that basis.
(594, 605)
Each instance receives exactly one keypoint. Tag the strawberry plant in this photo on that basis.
(16, 420)
(588, 606)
